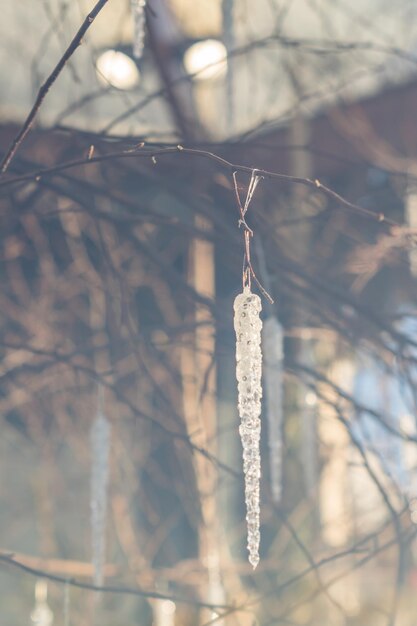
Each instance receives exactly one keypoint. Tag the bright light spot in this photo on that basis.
(414, 517)
(311, 398)
(168, 607)
(206, 59)
(117, 69)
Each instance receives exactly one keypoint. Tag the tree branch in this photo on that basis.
(27, 125)
(10, 560)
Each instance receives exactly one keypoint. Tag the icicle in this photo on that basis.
(139, 19)
(164, 612)
(100, 445)
(411, 220)
(67, 604)
(229, 43)
(41, 614)
(228, 7)
(309, 442)
(273, 352)
(248, 327)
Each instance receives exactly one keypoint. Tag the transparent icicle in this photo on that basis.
(164, 613)
(41, 614)
(309, 443)
(273, 352)
(248, 326)
(411, 220)
(67, 604)
(228, 10)
(100, 446)
(139, 21)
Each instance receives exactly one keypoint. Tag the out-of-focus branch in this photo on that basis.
(39, 573)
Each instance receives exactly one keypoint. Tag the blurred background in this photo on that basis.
(120, 258)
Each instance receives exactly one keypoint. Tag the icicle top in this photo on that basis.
(248, 326)
(100, 432)
(247, 300)
(41, 614)
(273, 337)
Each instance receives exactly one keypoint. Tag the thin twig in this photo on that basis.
(149, 154)
(27, 125)
(7, 558)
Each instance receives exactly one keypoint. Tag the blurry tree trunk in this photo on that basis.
(302, 166)
(411, 219)
(199, 387)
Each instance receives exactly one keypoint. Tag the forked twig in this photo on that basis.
(247, 271)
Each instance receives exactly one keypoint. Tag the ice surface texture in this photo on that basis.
(248, 326)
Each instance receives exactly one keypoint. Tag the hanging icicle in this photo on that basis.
(41, 614)
(273, 352)
(411, 220)
(309, 442)
(228, 7)
(248, 325)
(100, 447)
(164, 613)
(139, 20)
(67, 604)
(228, 10)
